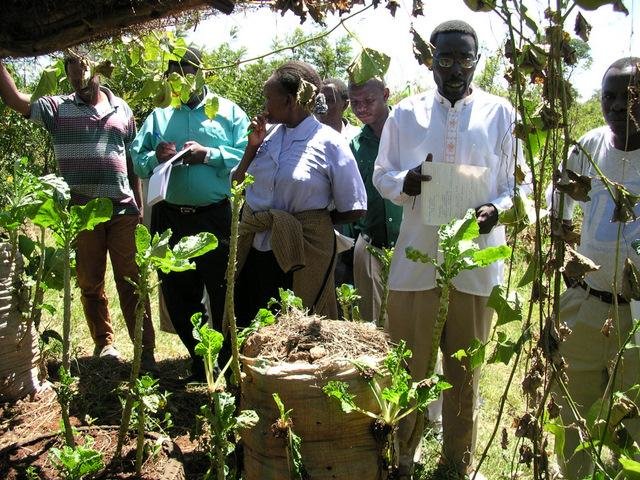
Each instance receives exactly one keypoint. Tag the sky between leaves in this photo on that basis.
(614, 35)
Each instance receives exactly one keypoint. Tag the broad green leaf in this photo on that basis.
(476, 354)
(557, 429)
(504, 350)
(195, 245)
(631, 468)
(508, 308)
(47, 84)
(369, 64)
(211, 107)
(49, 216)
(171, 264)
(489, 255)
(149, 87)
(160, 244)
(422, 50)
(143, 238)
(464, 229)
(57, 188)
(459, 355)
(163, 95)
(86, 217)
(529, 274)
(210, 343)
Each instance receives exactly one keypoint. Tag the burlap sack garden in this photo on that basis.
(296, 358)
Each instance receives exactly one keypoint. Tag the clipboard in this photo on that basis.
(159, 180)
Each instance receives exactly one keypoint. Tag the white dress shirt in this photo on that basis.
(308, 167)
(599, 235)
(477, 130)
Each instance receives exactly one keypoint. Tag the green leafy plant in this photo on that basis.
(65, 390)
(288, 301)
(396, 394)
(283, 428)
(460, 252)
(348, 300)
(20, 200)
(75, 463)
(154, 253)
(32, 473)
(218, 426)
(148, 402)
(65, 223)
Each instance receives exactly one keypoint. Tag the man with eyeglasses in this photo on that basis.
(457, 124)
(197, 198)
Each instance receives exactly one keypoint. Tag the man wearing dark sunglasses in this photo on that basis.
(461, 125)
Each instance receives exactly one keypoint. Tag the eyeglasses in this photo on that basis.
(447, 62)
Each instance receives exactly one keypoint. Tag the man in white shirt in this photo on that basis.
(458, 124)
(585, 307)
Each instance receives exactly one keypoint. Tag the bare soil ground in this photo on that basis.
(96, 410)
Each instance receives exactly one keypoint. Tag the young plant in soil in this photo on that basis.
(348, 300)
(456, 243)
(65, 223)
(283, 428)
(154, 253)
(237, 200)
(400, 398)
(147, 402)
(75, 463)
(218, 426)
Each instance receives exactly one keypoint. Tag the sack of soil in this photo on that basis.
(19, 352)
(296, 358)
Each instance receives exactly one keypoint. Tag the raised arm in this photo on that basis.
(20, 102)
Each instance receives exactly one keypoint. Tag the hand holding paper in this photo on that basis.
(487, 217)
(412, 185)
(165, 151)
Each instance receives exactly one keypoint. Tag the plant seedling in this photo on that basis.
(65, 223)
(400, 398)
(217, 424)
(75, 463)
(348, 300)
(283, 428)
(155, 253)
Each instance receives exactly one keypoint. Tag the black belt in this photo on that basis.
(606, 297)
(190, 209)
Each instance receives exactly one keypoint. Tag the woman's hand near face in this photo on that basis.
(258, 131)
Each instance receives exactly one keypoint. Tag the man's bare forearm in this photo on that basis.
(9, 93)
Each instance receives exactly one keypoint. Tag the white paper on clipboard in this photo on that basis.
(453, 190)
(158, 182)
